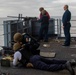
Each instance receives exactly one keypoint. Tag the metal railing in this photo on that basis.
(58, 29)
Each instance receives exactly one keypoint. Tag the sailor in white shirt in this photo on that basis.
(18, 56)
(36, 61)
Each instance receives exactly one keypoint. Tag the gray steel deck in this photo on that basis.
(67, 53)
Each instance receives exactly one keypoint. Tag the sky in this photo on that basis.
(31, 7)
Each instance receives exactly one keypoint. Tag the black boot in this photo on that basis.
(69, 68)
(73, 63)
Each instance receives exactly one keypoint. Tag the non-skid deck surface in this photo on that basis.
(73, 46)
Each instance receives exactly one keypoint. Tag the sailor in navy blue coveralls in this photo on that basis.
(44, 27)
(24, 57)
(66, 25)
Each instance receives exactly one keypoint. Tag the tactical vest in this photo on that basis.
(25, 56)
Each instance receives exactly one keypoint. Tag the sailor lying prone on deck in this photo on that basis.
(27, 59)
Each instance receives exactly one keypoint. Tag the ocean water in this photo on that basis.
(73, 28)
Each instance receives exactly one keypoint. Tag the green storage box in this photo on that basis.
(5, 62)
